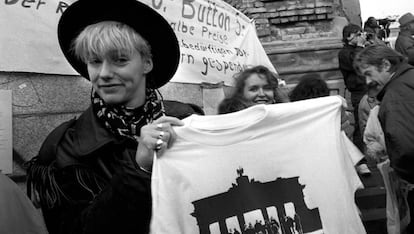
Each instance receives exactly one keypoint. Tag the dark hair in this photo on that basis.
(375, 54)
(371, 23)
(242, 76)
(181, 110)
(310, 86)
(348, 30)
(230, 105)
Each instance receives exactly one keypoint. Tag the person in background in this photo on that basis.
(17, 213)
(309, 86)
(390, 69)
(405, 41)
(366, 104)
(374, 137)
(313, 86)
(255, 85)
(373, 32)
(93, 173)
(354, 41)
(251, 89)
(371, 26)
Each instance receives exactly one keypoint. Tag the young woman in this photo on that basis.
(92, 174)
(256, 85)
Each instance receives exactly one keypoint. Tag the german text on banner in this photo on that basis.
(215, 39)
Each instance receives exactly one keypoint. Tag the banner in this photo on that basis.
(216, 40)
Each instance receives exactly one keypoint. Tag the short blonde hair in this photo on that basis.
(107, 36)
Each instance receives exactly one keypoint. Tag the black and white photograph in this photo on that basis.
(206, 116)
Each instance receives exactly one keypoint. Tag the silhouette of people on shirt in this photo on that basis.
(289, 225)
(298, 224)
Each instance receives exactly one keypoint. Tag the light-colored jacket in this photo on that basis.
(374, 137)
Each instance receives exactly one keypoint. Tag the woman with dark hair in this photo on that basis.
(354, 41)
(373, 31)
(93, 173)
(310, 86)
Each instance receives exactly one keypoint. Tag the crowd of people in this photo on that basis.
(383, 106)
(380, 81)
(288, 224)
(93, 173)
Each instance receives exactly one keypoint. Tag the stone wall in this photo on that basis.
(286, 20)
(302, 36)
(291, 20)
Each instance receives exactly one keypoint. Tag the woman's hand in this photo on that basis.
(157, 136)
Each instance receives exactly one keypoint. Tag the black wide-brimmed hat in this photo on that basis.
(142, 18)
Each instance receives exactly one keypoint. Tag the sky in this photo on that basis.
(384, 8)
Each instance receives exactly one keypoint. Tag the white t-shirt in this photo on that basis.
(268, 166)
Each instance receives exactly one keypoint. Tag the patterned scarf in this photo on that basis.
(124, 121)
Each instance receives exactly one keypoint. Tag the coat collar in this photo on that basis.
(400, 70)
(90, 134)
(405, 33)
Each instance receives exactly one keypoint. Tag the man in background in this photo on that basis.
(354, 41)
(388, 68)
(405, 40)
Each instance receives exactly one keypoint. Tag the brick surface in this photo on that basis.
(320, 17)
(271, 15)
(322, 3)
(293, 18)
(296, 30)
(261, 20)
(307, 11)
(284, 20)
(310, 5)
(256, 10)
(290, 37)
(258, 4)
(275, 21)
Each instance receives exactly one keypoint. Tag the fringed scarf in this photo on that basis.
(124, 121)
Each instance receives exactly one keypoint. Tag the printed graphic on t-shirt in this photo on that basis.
(267, 169)
(255, 207)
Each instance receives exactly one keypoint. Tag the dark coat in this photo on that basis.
(89, 181)
(405, 45)
(396, 116)
(353, 81)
